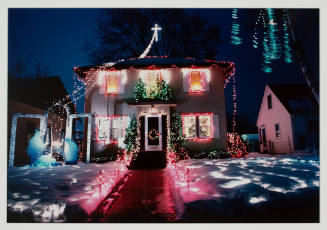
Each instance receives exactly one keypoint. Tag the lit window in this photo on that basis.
(277, 131)
(112, 83)
(118, 127)
(196, 81)
(189, 126)
(205, 122)
(198, 125)
(103, 128)
(152, 80)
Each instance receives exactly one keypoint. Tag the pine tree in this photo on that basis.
(177, 138)
(139, 91)
(131, 136)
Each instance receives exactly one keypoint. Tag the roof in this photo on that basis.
(296, 98)
(228, 68)
(38, 92)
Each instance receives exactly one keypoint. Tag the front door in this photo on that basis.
(153, 133)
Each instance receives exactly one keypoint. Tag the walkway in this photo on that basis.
(146, 198)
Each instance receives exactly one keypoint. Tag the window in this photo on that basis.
(198, 126)
(195, 82)
(277, 131)
(189, 126)
(110, 127)
(269, 102)
(103, 127)
(205, 126)
(118, 128)
(112, 83)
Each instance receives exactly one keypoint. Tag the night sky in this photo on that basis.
(54, 38)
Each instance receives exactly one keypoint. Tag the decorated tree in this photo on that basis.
(130, 141)
(177, 139)
(139, 90)
(164, 91)
(235, 146)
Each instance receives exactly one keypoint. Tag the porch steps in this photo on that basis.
(149, 160)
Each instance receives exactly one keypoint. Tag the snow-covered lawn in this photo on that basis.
(256, 189)
(59, 194)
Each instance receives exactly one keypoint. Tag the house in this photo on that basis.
(198, 89)
(287, 119)
(34, 96)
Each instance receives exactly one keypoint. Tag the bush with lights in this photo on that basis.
(161, 91)
(131, 139)
(235, 146)
(176, 150)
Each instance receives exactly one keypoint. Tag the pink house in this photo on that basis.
(287, 119)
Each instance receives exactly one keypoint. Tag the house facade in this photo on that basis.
(198, 96)
(287, 119)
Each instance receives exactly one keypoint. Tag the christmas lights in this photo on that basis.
(190, 130)
(235, 38)
(235, 145)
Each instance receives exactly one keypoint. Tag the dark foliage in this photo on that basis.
(125, 33)
(109, 153)
(212, 154)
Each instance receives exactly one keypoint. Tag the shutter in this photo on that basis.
(216, 125)
(121, 83)
(142, 132)
(103, 82)
(204, 81)
(186, 83)
(164, 132)
(94, 127)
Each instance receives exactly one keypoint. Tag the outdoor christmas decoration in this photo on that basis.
(159, 91)
(235, 145)
(131, 139)
(153, 134)
(275, 32)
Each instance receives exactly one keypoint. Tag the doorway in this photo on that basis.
(153, 132)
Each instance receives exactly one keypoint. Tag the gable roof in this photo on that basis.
(228, 68)
(39, 92)
(296, 98)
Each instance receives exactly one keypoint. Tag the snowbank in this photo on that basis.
(229, 188)
(60, 194)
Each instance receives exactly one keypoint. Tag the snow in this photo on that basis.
(68, 193)
(255, 180)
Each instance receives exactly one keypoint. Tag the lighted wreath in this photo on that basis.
(153, 134)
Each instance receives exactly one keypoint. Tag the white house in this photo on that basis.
(287, 119)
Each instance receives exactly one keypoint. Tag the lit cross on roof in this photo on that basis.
(155, 34)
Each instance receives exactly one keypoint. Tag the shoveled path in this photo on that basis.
(146, 197)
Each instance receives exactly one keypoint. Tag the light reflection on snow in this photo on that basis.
(235, 183)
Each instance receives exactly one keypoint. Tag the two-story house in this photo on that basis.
(288, 119)
(198, 88)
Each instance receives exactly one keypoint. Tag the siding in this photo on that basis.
(276, 115)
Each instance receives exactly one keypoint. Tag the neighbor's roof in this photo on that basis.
(296, 98)
(38, 92)
(227, 68)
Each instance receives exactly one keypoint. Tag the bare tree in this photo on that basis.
(125, 33)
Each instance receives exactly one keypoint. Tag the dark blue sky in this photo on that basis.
(54, 38)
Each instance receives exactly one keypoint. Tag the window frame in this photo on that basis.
(198, 126)
(110, 137)
(278, 136)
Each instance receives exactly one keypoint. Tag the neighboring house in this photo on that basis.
(287, 119)
(35, 96)
(251, 141)
(198, 86)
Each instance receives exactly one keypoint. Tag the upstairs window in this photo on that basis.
(112, 83)
(151, 79)
(199, 125)
(269, 101)
(196, 80)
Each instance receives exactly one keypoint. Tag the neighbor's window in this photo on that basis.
(269, 102)
(112, 83)
(277, 130)
(103, 128)
(205, 122)
(118, 127)
(196, 81)
(198, 126)
(189, 126)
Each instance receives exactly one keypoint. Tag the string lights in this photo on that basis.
(235, 33)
